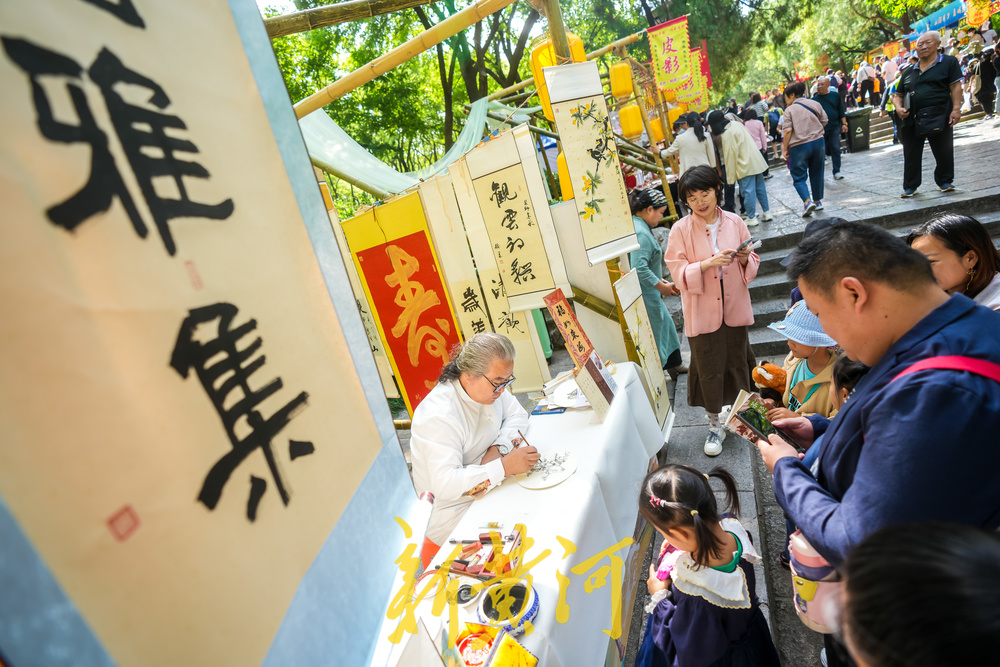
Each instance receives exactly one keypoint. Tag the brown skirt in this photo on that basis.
(721, 363)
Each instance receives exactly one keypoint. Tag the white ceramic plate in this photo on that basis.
(552, 468)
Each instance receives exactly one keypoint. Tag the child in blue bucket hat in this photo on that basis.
(808, 366)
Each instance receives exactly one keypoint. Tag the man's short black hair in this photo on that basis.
(862, 251)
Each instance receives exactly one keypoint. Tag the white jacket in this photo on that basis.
(691, 151)
(449, 436)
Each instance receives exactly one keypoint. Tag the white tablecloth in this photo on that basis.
(594, 509)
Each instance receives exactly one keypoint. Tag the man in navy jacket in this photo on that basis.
(924, 447)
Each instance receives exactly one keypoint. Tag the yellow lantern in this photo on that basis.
(657, 128)
(631, 121)
(674, 114)
(565, 184)
(683, 107)
(544, 55)
(669, 96)
(621, 80)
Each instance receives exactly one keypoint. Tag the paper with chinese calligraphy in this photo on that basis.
(364, 309)
(530, 366)
(597, 385)
(669, 45)
(643, 343)
(444, 221)
(398, 267)
(577, 343)
(183, 421)
(515, 213)
(592, 159)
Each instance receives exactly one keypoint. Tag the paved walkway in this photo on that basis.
(873, 181)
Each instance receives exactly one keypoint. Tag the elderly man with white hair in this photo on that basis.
(836, 123)
(928, 99)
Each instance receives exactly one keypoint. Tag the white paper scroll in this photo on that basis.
(601, 199)
(530, 366)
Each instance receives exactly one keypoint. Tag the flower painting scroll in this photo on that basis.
(591, 158)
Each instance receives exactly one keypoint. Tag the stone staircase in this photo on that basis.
(881, 128)
(770, 291)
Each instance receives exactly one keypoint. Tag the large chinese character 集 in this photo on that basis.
(207, 342)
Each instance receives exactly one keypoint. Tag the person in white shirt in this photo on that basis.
(465, 434)
(693, 146)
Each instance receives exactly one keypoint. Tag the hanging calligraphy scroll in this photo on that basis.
(445, 224)
(643, 343)
(371, 329)
(399, 271)
(530, 366)
(670, 47)
(184, 416)
(591, 159)
(508, 185)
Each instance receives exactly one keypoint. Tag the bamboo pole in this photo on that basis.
(344, 176)
(595, 303)
(638, 164)
(557, 30)
(656, 154)
(425, 40)
(590, 56)
(548, 167)
(342, 12)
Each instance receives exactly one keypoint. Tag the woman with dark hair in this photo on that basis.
(692, 146)
(923, 595)
(647, 211)
(462, 433)
(804, 145)
(962, 256)
(713, 269)
(744, 163)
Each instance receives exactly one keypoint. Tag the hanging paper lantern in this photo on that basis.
(669, 96)
(544, 55)
(631, 121)
(621, 80)
(674, 114)
(565, 184)
(657, 128)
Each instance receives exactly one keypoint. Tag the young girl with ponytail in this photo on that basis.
(706, 612)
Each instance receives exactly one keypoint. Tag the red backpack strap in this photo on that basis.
(956, 363)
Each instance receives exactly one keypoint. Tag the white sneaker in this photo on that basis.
(819, 205)
(753, 222)
(766, 216)
(713, 443)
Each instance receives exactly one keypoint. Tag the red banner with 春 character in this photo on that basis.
(406, 292)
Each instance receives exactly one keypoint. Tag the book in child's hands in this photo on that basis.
(748, 419)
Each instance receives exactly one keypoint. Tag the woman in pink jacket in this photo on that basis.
(713, 277)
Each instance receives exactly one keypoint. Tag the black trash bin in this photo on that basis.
(859, 129)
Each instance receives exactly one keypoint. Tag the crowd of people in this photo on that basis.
(888, 408)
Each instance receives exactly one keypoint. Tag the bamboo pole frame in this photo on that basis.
(630, 39)
(425, 40)
(330, 15)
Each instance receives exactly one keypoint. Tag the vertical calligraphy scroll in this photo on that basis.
(592, 159)
(445, 224)
(530, 366)
(364, 309)
(669, 44)
(641, 334)
(185, 421)
(395, 259)
(515, 215)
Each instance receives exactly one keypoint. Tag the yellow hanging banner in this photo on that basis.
(670, 48)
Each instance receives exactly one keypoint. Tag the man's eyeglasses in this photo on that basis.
(502, 385)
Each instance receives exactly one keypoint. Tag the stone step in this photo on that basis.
(770, 292)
